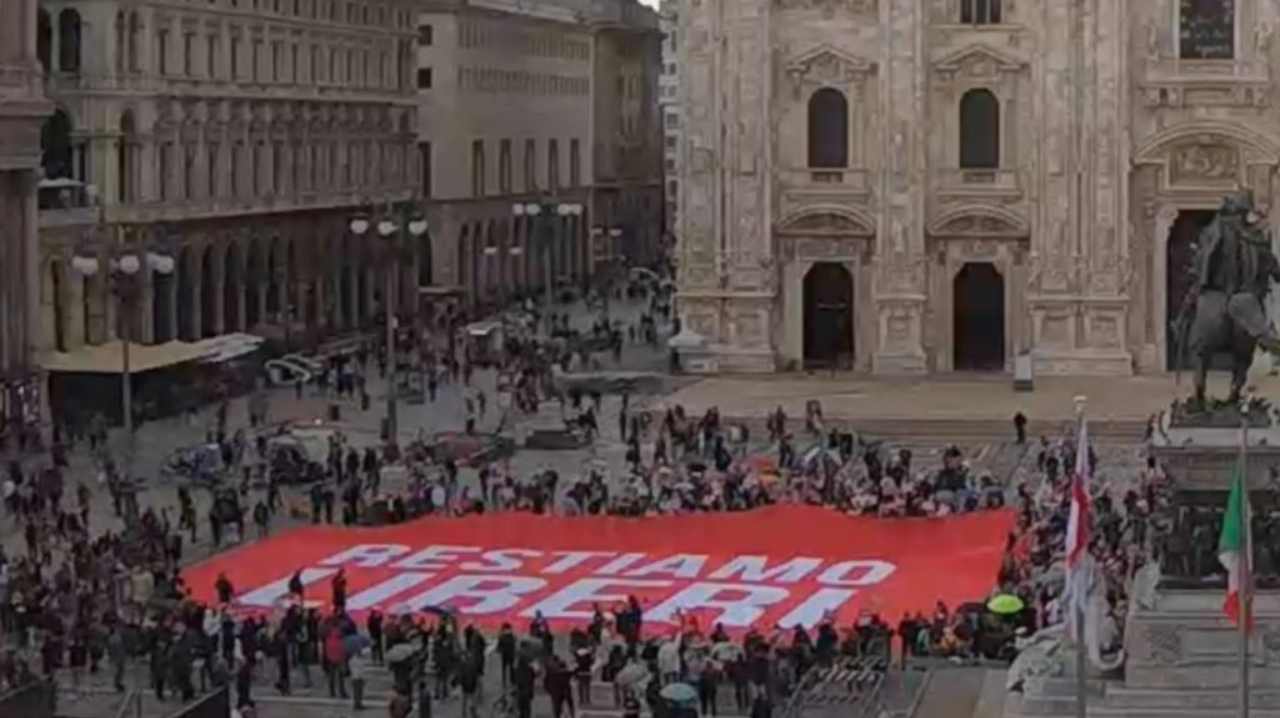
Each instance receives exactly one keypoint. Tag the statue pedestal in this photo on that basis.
(1182, 656)
(1200, 459)
(1182, 659)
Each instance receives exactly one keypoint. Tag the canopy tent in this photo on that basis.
(108, 358)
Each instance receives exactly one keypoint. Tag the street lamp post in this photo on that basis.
(124, 263)
(534, 211)
(393, 231)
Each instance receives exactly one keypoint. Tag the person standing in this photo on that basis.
(1020, 427)
(557, 683)
(507, 652)
(374, 627)
(118, 655)
(339, 586)
(522, 679)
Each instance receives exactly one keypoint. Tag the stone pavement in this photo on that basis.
(963, 397)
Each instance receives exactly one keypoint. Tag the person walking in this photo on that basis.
(522, 680)
(557, 683)
(506, 653)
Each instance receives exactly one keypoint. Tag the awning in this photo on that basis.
(480, 329)
(108, 358)
(436, 290)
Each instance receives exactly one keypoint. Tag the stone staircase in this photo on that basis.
(950, 692)
(954, 431)
(1056, 698)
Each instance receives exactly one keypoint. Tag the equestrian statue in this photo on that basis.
(1224, 311)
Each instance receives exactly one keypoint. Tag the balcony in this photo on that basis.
(213, 88)
(230, 207)
(64, 203)
(975, 183)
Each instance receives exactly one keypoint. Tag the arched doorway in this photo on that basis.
(978, 302)
(253, 285)
(424, 260)
(186, 296)
(55, 145)
(161, 307)
(275, 275)
(69, 40)
(346, 282)
(828, 316)
(56, 290)
(1181, 255)
(208, 296)
(44, 40)
(232, 290)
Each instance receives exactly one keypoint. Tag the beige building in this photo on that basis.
(22, 111)
(236, 136)
(519, 102)
(935, 185)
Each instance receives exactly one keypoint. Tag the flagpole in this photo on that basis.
(1246, 560)
(1082, 684)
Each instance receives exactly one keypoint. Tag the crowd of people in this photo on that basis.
(88, 598)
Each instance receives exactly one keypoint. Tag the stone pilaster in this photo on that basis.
(900, 277)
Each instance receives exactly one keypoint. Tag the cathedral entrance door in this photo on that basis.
(1178, 280)
(828, 316)
(978, 337)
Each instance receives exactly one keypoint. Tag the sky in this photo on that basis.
(650, 3)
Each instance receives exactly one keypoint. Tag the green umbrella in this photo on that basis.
(1005, 604)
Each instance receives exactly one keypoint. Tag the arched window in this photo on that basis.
(122, 39)
(1206, 30)
(125, 159)
(980, 12)
(44, 39)
(55, 145)
(69, 40)
(828, 129)
(135, 38)
(979, 130)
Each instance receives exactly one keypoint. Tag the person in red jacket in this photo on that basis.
(335, 656)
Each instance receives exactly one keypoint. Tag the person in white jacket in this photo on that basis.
(361, 667)
(669, 659)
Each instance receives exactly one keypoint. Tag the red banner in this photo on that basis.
(783, 565)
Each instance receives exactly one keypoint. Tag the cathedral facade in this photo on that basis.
(916, 186)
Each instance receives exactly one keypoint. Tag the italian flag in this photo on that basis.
(1234, 545)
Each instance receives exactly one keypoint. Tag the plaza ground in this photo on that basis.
(916, 412)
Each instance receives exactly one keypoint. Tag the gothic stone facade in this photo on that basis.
(1062, 151)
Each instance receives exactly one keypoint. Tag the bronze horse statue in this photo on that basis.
(1224, 310)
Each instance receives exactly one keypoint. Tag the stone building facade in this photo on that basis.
(669, 108)
(930, 185)
(238, 137)
(520, 102)
(23, 108)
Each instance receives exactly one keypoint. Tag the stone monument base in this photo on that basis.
(1182, 659)
(1202, 458)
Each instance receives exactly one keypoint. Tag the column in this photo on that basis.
(75, 317)
(373, 285)
(259, 296)
(171, 298)
(339, 313)
(144, 313)
(196, 309)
